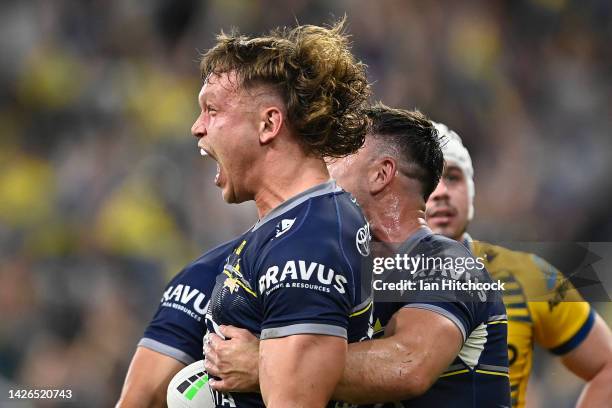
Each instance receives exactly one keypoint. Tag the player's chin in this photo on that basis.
(442, 228)
(230, 196)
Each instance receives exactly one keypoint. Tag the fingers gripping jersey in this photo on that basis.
(297, 271)
(559, 321)
(177, 328)
(479, 375)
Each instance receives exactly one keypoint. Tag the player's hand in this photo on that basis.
(234, 360)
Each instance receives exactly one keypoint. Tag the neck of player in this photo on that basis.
(396, 217)
(285, 176)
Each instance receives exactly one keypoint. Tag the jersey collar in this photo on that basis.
(414, 239)
(468, 241)
(329, 186)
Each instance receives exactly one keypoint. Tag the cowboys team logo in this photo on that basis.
(235, 279)
(231, 283)
(362, 240)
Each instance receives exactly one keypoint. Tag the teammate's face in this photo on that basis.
(447, 207)
(227, 131)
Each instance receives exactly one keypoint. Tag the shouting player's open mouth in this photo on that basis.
(218, 176)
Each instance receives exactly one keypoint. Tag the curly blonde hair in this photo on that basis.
(324, 87)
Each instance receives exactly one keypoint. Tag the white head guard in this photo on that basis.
(456, 153)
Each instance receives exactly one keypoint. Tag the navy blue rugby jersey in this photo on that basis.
(177, 328)
(479, 375)
(297, 271)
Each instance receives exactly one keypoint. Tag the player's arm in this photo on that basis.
(235, 361)
(301, 358)
(172, 339)
(570, 328)
(418, 346)
(147, 379)
(304, 329)
(303, 346)
(300, 370)
(592, 361)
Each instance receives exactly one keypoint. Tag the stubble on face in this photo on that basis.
(447, 206)
(234, 133)
(231, 133)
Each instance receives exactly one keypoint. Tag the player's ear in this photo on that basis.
(381, 174)
(271, 121)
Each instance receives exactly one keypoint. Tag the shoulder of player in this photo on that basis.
(313, 231)
(518, 263)
(334, 209)
(439, 245)
(316, 220)
(207, 262)
(215, 254)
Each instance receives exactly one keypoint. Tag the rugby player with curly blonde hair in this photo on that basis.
(272, 108)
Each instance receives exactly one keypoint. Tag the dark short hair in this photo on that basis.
(323, 85)
(416, 140)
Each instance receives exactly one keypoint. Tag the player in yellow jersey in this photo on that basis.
(559, 320)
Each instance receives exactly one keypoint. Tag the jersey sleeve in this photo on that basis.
(178, 326)
(565, 320)
(461, 314)
(464, 308)
(305, 286)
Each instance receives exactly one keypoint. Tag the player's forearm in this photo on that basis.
(139, 393)
(418, 347)
(381, 370)
(597, 392)
(592, 361)
(301, 370)
(147, 379)
(142, 400)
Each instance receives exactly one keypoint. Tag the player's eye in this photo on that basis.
(452, 178)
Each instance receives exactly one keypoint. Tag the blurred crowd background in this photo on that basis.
(104, 195)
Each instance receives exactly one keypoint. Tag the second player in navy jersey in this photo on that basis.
(443, 348)
(478, 375)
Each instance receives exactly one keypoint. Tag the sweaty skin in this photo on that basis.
(416, 349)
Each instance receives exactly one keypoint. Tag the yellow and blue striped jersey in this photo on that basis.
(542, 306)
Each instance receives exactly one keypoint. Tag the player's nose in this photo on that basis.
(198, 129)
(441, 191)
